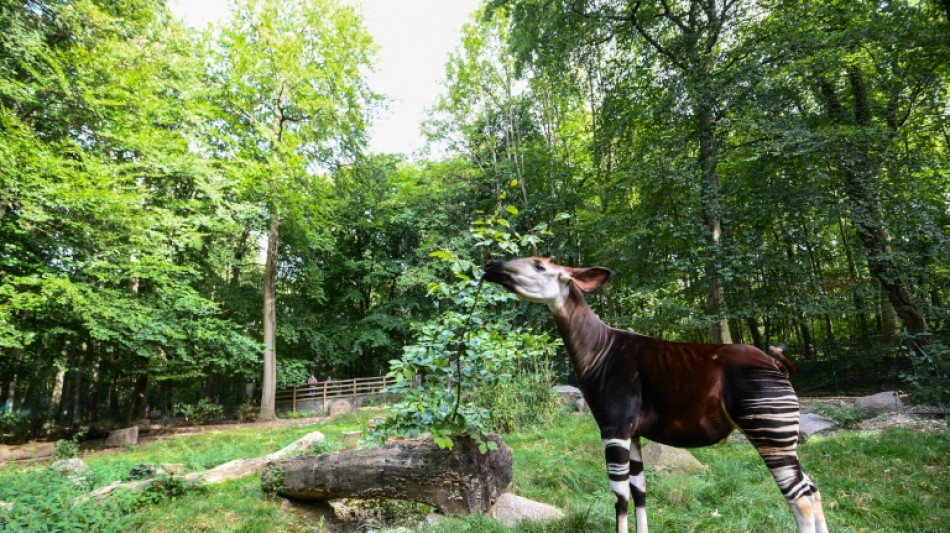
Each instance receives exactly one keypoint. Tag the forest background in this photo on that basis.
(184, 212)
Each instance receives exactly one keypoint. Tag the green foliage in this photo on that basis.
(524, 401)
(459, 358)
(843, 416)
(246, 412)
(203, 412)
(67, 448)
(272, 479)
(930, 376)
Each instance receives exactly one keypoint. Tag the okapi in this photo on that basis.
(680, 394)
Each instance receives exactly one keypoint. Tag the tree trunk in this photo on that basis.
(139, 397)
(708, 163)
(57, 399)
(11, 387)
(460, 480)
(861, 167)
(269, 383)
(753, 324)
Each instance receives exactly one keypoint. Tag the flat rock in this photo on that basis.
(351, 438)
(30, 450)
(813, 424)
(882, 402)
(511, 509)
(670, 460)
(70, 466)
(567, 389)
(340, 407)
(121, 437)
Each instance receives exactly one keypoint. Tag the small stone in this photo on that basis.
(511, 509)
(121, 437)
(6, 505)
(70, 466)
(340, 407)
(671, 460)
(813, 424)
(174, 469)
(350, 438)
(581, 405)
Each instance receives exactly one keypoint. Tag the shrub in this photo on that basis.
(203, 412)
(525, 401)
(845, 417)
(929, 380)
(247, 412)
(67, 448)
(461, 371)
(272, 478)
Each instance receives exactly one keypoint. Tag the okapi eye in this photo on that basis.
(539, 267)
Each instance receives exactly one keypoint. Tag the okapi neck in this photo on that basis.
(585, 335)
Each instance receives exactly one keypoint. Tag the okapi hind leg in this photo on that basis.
(769, 418)
(638, 485)
(617, 454)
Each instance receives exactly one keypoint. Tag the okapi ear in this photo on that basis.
(590, 279)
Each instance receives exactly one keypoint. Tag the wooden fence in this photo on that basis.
(327, 391)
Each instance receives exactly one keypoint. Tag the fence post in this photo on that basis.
(295, 400)
(354, 394)
(325, 397)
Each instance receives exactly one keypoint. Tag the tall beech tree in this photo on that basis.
(294, 103)
(695, 48)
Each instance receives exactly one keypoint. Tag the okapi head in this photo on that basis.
(541, 280)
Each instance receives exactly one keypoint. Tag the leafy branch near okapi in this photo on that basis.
(462, 361)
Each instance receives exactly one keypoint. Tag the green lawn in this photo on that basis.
(894, 482)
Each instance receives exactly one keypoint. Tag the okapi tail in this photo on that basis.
(778, 352)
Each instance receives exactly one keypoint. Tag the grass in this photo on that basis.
(893, 482)
(898, 481)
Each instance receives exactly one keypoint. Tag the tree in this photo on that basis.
(293, 103)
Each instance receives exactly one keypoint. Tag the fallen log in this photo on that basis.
(460, 480)
(235, 469)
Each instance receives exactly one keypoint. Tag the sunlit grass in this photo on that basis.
(896, 481)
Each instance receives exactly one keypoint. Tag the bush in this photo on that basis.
(203, 412)
(20, 428)
(929, 380)
(67, 448)
(525, 401)
(845, 417)
(247, 412)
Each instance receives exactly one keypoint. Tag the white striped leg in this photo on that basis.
(770, 421)
(617, 453)
(638, 486)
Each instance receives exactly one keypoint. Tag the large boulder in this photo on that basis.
(882, 402)
(670, 460)
(123, 437)
(340, 407)
(511, 509)
(813, 424)
(571, 396)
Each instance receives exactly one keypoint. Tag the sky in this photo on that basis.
(414, 39)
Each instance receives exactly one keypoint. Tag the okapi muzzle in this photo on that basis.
(679, 394)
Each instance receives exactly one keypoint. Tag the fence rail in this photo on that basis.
(324, 391)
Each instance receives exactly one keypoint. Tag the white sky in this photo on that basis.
(414, 39)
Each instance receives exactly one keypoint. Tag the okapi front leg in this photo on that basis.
(638, 485)
(617, 453)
